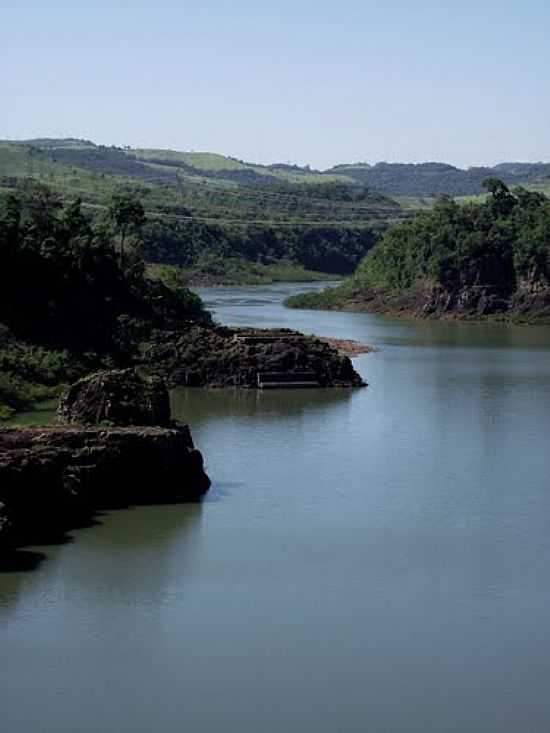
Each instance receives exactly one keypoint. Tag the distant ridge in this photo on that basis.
(390, 179)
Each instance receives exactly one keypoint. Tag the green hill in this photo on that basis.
(205, 209)
(434, 179)
(226, 220)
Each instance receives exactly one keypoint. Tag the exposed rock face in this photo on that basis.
(52, 479)
(471, 300)
(528, 303)
(225, 357)
(116, 397)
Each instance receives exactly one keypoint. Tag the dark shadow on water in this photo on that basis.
(56, 536)
(19, 561)
(130, 552)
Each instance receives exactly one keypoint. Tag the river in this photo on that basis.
(366, 561)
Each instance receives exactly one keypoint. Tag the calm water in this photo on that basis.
(368, 561)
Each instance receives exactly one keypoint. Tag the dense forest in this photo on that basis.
(472, 260)
(202, 247)
(74, 294)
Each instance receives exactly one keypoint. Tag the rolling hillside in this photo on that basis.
(211, 214)
(215, 219)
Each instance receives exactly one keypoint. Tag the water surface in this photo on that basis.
(374, 560)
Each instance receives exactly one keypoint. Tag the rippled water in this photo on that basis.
(374, 560)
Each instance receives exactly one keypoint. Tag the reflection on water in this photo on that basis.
(368, 560)
(196, 407)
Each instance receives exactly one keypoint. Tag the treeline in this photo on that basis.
(469, 260)
(66, 281)
(335, 250)
(504, 243)
(434, 179)
(74, 294)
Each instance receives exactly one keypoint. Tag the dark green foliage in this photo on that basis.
(69, 301)
(30, 373)
(326, 249)
(473, 260)
(127, 216)
(432, 179)
(63, 282)
(497, 243)
(207, 207)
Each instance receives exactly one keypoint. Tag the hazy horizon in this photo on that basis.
(303, 83)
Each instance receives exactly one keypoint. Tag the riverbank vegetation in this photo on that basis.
(472, 260)
(208, 218)
(74, 294)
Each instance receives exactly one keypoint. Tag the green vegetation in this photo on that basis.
(472, 259)
(204, 248)
(214, 270)
(226, 220)
(435, 179)
(73, 293)
(203, 208)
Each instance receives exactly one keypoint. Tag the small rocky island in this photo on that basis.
(218, 356)
(114, 446)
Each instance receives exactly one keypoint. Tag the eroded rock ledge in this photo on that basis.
(237, 357)
(54, 479)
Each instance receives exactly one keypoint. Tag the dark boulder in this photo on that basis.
(116, 397)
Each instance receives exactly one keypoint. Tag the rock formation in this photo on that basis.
(228, 357)
(116, 397)
(55, 478)
(52, 479)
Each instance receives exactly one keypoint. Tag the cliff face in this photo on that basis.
(529, 303)
(53, 479)
(469, 302)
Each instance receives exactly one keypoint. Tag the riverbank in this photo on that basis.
(431, 301)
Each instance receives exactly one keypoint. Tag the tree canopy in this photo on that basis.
(503, 243)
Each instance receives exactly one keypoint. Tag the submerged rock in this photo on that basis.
(116, 397)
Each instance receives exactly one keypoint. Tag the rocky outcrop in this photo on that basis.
(116, 397)
(227, 357)
(471, 300)
(53, 479)
(527, 304)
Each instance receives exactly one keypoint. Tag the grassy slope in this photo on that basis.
(213, 162)
(211, 201)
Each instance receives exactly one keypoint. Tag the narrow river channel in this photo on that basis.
(366, 561)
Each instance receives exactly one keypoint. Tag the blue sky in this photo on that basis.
(306, 82)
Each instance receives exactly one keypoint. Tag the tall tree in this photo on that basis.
(127, 214)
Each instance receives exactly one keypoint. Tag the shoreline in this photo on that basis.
(421, 306)
(54, 479)
(349, 347)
